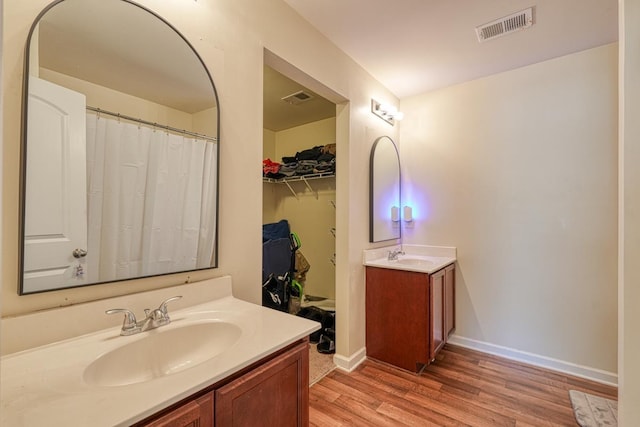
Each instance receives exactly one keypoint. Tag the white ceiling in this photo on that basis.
(414, 46)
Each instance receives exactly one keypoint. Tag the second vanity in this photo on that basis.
(410, 303)
(220, 363)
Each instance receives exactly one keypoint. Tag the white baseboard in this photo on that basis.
(350, 363)
(586, 372)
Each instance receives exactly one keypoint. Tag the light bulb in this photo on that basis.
(388, 109)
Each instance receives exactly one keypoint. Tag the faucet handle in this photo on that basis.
(393, 254)
(130, 324)
(163, 305)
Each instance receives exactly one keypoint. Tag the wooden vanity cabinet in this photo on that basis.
(409, 315)
(271, 392)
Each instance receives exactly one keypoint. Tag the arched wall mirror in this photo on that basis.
(120, 135)
(384, 191)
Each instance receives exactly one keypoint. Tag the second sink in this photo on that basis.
(162, 352)
(408, 262)
(414, 261)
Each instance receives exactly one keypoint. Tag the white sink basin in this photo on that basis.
(161, 352)
(414, 261)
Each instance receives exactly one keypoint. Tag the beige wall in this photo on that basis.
(629, 230)
(309, 135)
(519, 171)
(231, 37)
(310, 217)
(269, 145)
(269, 199)
(119, 102)
(203, 122)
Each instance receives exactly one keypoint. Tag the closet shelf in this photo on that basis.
(300, 177)
(303, 178)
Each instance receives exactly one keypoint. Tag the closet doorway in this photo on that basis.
(299, 184)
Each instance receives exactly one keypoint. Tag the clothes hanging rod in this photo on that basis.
(155, 125)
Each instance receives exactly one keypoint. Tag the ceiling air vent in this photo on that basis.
(509, 24)
(298, 98)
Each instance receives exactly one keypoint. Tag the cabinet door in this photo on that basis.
(196, 413)
(275, 394)
(397, 313)
(449, 301)
(436, 303)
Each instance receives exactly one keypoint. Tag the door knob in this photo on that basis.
(79, 253)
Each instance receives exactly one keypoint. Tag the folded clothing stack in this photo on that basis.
(324, 167)
(318, 159)
(289, 169)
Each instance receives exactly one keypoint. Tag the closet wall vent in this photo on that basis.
(298, 97)
(506, 25)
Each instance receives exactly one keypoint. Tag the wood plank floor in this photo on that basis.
(461, 388)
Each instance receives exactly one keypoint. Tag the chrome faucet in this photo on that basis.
(393, 255)
(154, 318)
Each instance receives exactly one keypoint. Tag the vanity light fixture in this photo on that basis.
(395, 214)
(387, 112)
(407, 214)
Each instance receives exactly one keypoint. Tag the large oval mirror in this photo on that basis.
(119, 148)
(384, 191)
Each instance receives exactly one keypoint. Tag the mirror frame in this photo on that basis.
(23, 154)
(372, 238)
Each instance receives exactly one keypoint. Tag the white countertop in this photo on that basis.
(416, 258)
(44, 386)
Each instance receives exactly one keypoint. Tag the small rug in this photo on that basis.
(593, 411)
(319, 364)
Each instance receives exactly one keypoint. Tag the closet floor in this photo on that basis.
(319, 364)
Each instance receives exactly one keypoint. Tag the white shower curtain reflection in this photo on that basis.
(151, 200)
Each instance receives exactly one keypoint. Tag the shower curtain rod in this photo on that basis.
(155, 125)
